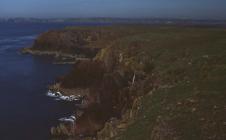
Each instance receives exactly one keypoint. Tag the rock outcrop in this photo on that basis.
(65, 43)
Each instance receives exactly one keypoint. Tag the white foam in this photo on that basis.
(64, 98)
(71, 119)
(53, 94)
(59, 96)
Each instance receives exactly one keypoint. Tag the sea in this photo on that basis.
(26, 113)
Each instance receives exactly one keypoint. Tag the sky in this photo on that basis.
(195, 9)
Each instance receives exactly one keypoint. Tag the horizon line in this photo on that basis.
(54, 18)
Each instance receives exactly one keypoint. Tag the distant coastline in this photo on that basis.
(152, 21)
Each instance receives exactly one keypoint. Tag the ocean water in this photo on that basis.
(26, 113)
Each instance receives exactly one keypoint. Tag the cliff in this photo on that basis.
(66, 43)
(75, 42)
(156, 83)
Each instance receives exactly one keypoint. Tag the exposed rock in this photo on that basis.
(62, 130)
(101, 103)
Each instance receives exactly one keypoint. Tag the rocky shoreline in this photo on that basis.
(110, 128)
(62, 58)
(102, 83)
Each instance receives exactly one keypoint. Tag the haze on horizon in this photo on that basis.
(195, 9)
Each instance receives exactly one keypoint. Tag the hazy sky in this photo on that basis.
(199, 9)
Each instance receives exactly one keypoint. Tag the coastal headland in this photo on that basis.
(140, 82)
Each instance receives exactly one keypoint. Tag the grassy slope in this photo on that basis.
(190, 67)
(190, 64)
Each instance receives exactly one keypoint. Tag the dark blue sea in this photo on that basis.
(26, 113)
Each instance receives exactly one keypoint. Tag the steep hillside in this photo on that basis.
(157, 83)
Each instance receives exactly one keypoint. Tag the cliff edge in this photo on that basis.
(143, 82)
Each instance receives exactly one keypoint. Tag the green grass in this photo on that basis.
(193, 61)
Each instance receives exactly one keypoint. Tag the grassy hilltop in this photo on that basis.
(190, 102)
(167, 82)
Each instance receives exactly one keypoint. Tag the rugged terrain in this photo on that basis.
(142, 82)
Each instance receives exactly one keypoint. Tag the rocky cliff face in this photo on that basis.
(171, 78)
(66, 43)
(106, 81)
(113, 84)
(76, 41)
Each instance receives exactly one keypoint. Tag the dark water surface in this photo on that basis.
(26, 113)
